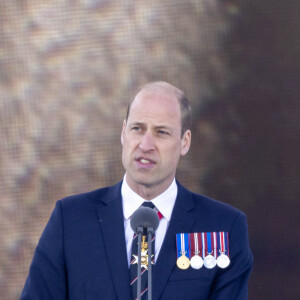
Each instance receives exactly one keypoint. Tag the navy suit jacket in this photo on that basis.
(81, 254)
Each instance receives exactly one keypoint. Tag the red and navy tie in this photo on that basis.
(144, 260)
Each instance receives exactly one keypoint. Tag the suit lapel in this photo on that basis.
(182, 221)
(112, 225)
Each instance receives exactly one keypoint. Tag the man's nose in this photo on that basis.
(147, 142)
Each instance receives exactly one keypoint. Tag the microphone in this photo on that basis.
(144, 220)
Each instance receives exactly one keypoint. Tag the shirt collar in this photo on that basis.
(163, 202)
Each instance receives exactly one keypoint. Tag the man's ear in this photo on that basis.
(123, 132)
(186, 142)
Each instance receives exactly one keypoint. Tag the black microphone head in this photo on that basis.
(144, 217)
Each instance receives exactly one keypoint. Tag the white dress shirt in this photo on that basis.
(164, 203)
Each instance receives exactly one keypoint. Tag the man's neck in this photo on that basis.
(148, 192)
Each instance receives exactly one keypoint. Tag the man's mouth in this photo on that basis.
(145, 161)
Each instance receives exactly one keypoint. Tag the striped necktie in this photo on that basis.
(144, 259)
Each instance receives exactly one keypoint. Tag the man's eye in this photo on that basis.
(162, 132)
(136, 128)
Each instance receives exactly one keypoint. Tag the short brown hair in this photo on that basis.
(167, 88)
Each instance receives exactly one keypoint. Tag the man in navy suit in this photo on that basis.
(85, 249)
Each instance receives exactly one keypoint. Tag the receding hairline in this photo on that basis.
(160, 88)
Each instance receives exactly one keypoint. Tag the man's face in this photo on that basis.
(152, 142)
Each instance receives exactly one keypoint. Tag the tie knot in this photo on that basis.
(148, 204)
(152, 206)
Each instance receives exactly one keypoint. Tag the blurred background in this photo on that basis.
(67, 72)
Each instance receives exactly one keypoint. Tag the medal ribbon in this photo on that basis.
(196, 243)
(214, 234)
(203, 245)
(226, 239)
(182, 241)
(209, 241)
(223, 242)
(219, 241)
(222, 246)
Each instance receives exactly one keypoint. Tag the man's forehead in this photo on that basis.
(157, 97)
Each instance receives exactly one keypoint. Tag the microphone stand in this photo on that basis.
(142, 219)
(150, 231)
(140, 231)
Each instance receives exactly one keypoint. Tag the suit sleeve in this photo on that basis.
(232, 282)
(47, 276)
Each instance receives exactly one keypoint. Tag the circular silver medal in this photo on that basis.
(223, 261)
(210, 261)
(196, 262)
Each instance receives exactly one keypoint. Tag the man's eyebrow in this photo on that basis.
(136, 123)
(163, 127)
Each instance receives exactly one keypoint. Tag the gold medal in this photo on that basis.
(183, 262)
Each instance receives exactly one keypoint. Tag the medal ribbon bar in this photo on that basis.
(223, 242)
(209, 242)
(214, 236)
(226, 239)
(204, 247)
(182, 241)
(196, 244)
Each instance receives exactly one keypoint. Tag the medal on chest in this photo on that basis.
(210, 249)
(196, 249)
(223, 260)
(210, 243)
(183, 255)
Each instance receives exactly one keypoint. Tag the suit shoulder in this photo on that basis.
(215, 205)
(215, 211)
(219, 214)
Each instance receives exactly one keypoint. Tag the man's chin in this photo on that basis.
(142, 180)
(145, 183)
